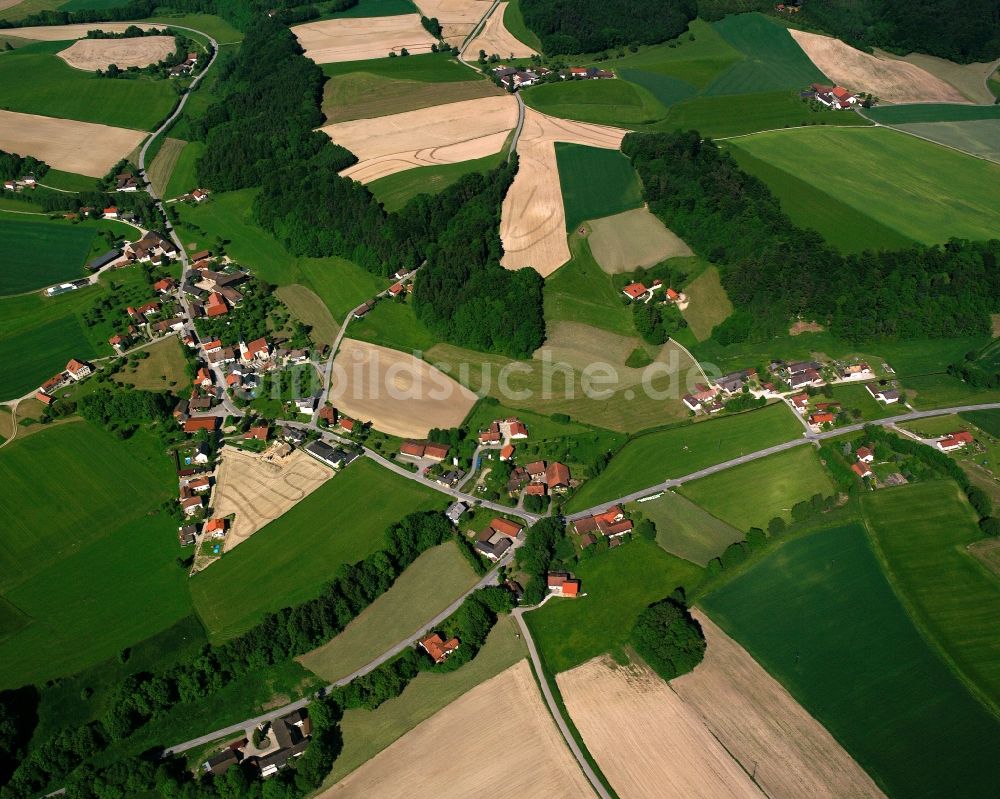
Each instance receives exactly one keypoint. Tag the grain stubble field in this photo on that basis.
(347, 39)
(94, 54)
(495, 38)
(626, 241)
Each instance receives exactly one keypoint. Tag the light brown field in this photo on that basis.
(760, 724)
(986, 551)
(8, 3)
(889, 80)
(443, 134)
(995, 324)
(636, 238)
(533, 220)
(334, 40)
(81, 147)
(397, 392)
(708, 304)
(969, 79)
(495, 38)
(259, 489)
(496, 740)
(457, 17)
(63, 33)
(94, 54)
(311, 310)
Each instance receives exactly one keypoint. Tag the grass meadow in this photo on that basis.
(925, 192)
(83, 546)
(619, 585)
(708, 303)
(979, 137)
(164, 163)
(686, 530)
(38, 254)
(377, 8)
(595, 182)
(513, 21)
(34, 80)
(164, 370)
(290, 559)
(820, 616)
(431, 583)
(393, 324)
(395, 191)
(183, 177)
(931, 112)
(660, 455)
(306, 305)
(922, 532)
(778, 481)
(606, 102)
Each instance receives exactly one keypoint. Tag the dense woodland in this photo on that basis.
(775, 271)
(587, 26)
(13, 166)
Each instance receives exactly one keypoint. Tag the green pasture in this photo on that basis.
(393, 324)
(34, 80)
(376, 8)
(289, 560)
(686, 530)
(651, 458)
(539, 427)
(595, 182)
(395, 191)
(39, 254)
(988, 421)
(921, 532)
(820, 616)
(979, 137)
(708, 303)
(931, 112)
(619, 585)
(184, 177)
(778, 482)
(424, 68)
(921, 190)
(606, 102)
(68, 181)
(513, 21)
(580, 291)
(213, 26)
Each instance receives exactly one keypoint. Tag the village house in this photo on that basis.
(612, 524)
(111, 212)
(436, 452)
(800, 402)
(200, 484)
(77, 370)
(704, 399)
(126, 182)
(187, 535)
(331, 456)
(203, 378)
(256, 350)
(809, 377)
(455, 511)
(101, 261)
(151, 247)
(821, 418)
(213, 346)
(191, 505)
(165, 285)
(864, 454)
(291, 734)
(886, 395)
(861, 469)
(586, 73)
(196, 424)
(491, 435)
(506, 452)
(345, 423)
(44, 398)
(199, 195)
(257, 433)
(496, 539)
(734, 382)
(216, 528)
(953, 441)
(54, 383)
(557, 477)
(362, 310)
(857, 371)
(222, 357)
(561, 584)
(216, 305)
(439, 649)
(305, 405)
(835, 97)
(327, 414)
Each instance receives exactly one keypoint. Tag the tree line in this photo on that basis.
(774, 270)
(13, 166)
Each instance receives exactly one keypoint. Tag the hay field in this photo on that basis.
(94, 54)
(346, 39)
(648, 743)
(708, 303)
(533, 219)
(636, 238)
(399, 393)
(258, 489)
(495, 38)
(458, 18)
(969, 79)
(496, 740)
(975, 136)
(65, 33)
(890, 80)
(444, 134)
(82, 147)
(362, 95)
(163, 165)
(311, 310)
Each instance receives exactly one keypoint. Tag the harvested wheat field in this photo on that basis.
(397, 392)
(496, 740)
(458, 18)
(258, 488)
(533, 220)
(82, 147)
(442, 134)
(626, 241)
(334, 40)
(969, 79)
(94, 54)
(495, 38)
(648, 743)
(64, 33)
(889, 80)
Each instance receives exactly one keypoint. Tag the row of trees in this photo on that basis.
(774, 270)
(13, 166)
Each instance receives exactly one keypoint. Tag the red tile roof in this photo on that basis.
(536, 490)
(821, 418)
(413, 449)
(518, 429)
(216, 306)
(75, 366)
(557, 474)
(964, 436)
(256, 347)
(196, 423)
(571, 588)
(213, 525)
(634, 290)
(437, 647)
(671, 294)
(44, 398)
(258, 433)
(436, 451)
(346, 422)
(507, 452)
(864, 452)
(506, 527)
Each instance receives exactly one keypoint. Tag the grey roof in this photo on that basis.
(334, 456)
(104, 260)
(219, 763)
(280, 757)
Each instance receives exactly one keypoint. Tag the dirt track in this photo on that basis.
(533, 220)
(495, 38)
(259, 490)
(635, 238)
(94, 54)
(399, 393)
(443, 134)
(335, 40)
(81, 147)
(889, 80)
(496, 741)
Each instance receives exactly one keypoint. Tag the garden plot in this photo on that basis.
(495, 38)
(633, 239)
(85, 148)
(533, 219)
(496, 740)
(260, 488)
(444, 134)
(890, 80)
(349, 39)
(397, 392)
(94, 54)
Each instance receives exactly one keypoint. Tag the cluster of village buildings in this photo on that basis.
(640, 292)
(287, 738)
(834, 97)
(514, 78)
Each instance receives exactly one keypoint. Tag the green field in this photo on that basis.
(849, 229)
(778, 482)
(513, 21)
(428, 586)
(651, 458)
(685, 530)
(606, 102)
(931, 112)
(341, 284)
(310, 310)
(395, 191)
(923, 191)
(68, 181)
(708, 303)
(539, 427)
(81, 550)
(377, 8)
(595, 183)
(214, 26)
(38, 254)
(165, 368)
(393, 324)
(289, 560)
(820, 616)
(921, 532)
(183, 177)
(977, 136)
(619, 585)
(988, 421)
(34, 80)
